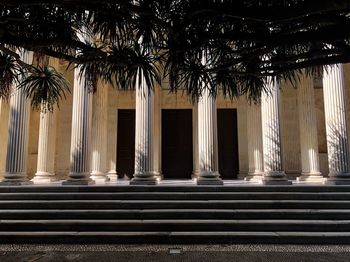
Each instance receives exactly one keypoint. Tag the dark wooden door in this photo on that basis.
(177, 148)
(228, 143)
(126, 142)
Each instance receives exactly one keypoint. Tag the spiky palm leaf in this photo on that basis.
(9, 71)
(45, 87)
(240, 34)
(122, 66)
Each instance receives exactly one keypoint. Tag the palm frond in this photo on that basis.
(45, 87)
(9, 71)
(122, 65)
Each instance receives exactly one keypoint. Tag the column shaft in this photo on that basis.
(308, 131)
(46, 148)
(18, 135)
(47, 143)
(336, 129)
(208, 141)
(196, 168)
(157, 133)
(99, 135)
(255, 147)
(270, 117)
(112, 125)
(81, 131)
(144, 135)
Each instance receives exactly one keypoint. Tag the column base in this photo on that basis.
(78, 183)
(15, 179)
(43, 181)
(342, 179)
(99, 177)
(275, 178)
(75, 178)
(209, 178)
(159, 176)
(43, 178)
(311, 178)
(254, 177)
(145, 179)
(210, 182)
(195, 175)
(15, 183)
(143, 182)
(112, 176)
(242, 174)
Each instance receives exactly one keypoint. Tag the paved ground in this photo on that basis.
(150, 253)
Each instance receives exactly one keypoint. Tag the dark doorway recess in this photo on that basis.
(177, 147)
(228, 143)
(126, 142)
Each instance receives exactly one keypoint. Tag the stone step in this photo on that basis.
(176, 225)
(188, 188)
(176, 196)
(97, 214)
(165, 213)
(174, 204)
(183, 237)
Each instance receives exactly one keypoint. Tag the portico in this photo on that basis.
(294, 133)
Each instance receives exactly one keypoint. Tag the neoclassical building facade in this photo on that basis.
(298, 134)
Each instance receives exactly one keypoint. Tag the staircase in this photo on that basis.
(175, 214)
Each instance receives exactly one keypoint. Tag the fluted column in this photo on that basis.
(310, 168)
(208, 141)
(46, 148)
(336, 129)
(18, 134)
(81, 130)
(270, 117)
(47, 143)
(255, 147)
(112, 130)
(99, 135)
(144, 135)
(195, 173)
(157, 133)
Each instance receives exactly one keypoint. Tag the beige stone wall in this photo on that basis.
(120, 99)
(4, 118)
(33, 143)
(64, 123)
(290, 130)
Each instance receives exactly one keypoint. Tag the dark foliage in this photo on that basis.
(232, 44)
(45, 87)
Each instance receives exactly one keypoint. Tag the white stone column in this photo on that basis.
(47, 143)
(46, 149)
(157, 133)
(144, 135)
(255, 145)
(81, 130)
(112, 124)
(310, 168)
(208, 141)
(270, 118)
(99, 135)
(195, 173)
(18, 135)
(336, 129)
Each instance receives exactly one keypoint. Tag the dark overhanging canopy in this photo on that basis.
(247, 40)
